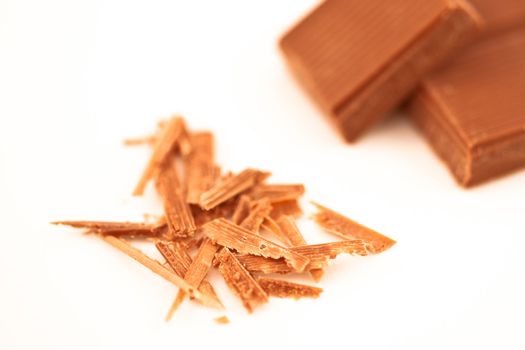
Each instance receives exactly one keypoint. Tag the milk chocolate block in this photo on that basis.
(500, 15)
(472, 111)
(360, 59)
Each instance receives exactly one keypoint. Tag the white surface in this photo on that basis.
(76, 77)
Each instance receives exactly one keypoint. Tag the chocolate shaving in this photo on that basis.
(159, 269)
(271, 226)
(180, 261)
(165, 144)
(284, 289)
(175, 305)
(128, 229)
(195, 274)
(241, 210)
(146, 140)
(291, 231)
(231, 187)
(333, 249)
(277, 193)
(344, 227)
(318, 254)
(240, 281)
(176, 256)
(291, 208)
(224, 210)
(260, 264)
(213, 214)
(222, 320)
(178, 212)
(201, 264)
(201, 171)
(235, 237)
(258, 211)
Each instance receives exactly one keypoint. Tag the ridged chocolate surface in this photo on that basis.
(500, 14)
(345, 42)
(483, 89)
(473, 110)
(360, 59)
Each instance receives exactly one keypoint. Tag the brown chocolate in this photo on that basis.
(221, 221)
(165, 144)
(291, 231)
(179, 260)
(258, 211)
(120, 229)
(241, 210)
(347, 228)
(177, 257)
(222, 320)
(227, 234)
(360, 59)
(240, 281)
(201, 171)
(291, 207)
(284, 289)
(230, 187)
(162, 271)
(177, 210)
(499, 15)
(277, 193)
(473, 110)
(175, 304)
(271, 226)
(318, 254)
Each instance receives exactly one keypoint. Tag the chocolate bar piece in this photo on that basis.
(360, 59)
(473, 110)
(500, 15)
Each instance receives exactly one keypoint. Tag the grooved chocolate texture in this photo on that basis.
(360, 59)
(500, 15)
(472, 111)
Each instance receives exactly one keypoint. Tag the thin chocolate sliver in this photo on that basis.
(162, 271)
(271, 226)
(232, 236)
(240, 281)
(178, 212)
(176, 254)
(120, 229)
(291, 231)
(258, 211)
(284, 289)
(347, 228)
(200, 167)
(277, 193)
(165, 144)
(241, 210)
(201, 264)
(318, 254)
(222, 320)
(230, 187)
(289, 207)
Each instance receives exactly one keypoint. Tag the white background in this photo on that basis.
(77, 77)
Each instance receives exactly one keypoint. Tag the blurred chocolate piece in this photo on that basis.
(360, 59)
(473, 110)
(500, 15)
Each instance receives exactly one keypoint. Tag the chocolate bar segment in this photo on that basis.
(473, 110)
(360, 59)
(500, 15)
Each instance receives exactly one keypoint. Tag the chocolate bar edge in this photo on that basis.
(389, 87)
